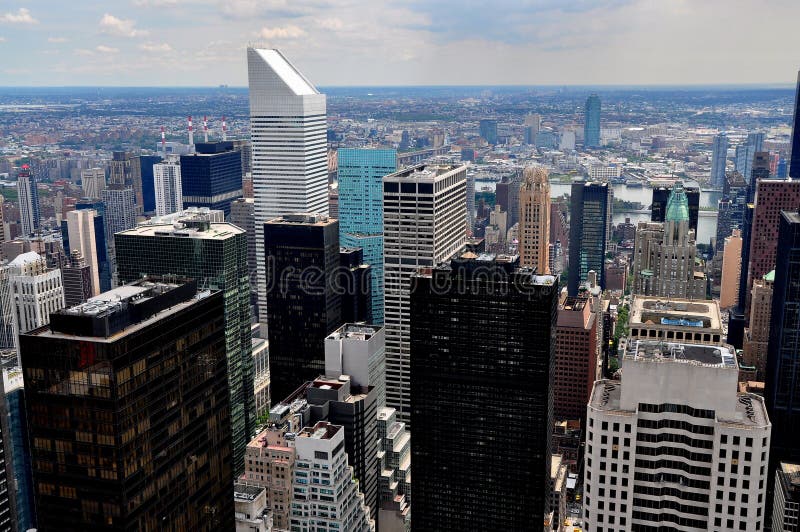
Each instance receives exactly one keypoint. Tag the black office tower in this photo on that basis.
(212, 176)
(355, 285)
(659, 205)
(794, 164)
(589, 226)
(303, 305)
(127, 404)
(146, 163)
(482, 346)
(215, 254)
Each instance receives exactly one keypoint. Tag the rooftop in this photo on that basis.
(675, 312)
(291, 77)
(303, 218)
(354, 331)
(677, 205)
(425, 172)
(187, 229)
(246, 492)
(321, 431)
(663, 352)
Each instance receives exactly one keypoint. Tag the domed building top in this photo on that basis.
(677, 204)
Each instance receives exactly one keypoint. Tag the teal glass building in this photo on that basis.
(361, 174)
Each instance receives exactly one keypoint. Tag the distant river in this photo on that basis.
(706, 225)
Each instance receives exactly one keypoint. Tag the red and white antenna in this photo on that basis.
(224, 129)
(205, 129)
(163, 142)
(191, 132)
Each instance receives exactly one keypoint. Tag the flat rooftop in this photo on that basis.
(656, 351)
(675, 312)
(246, 492)
(425, 172)
(302, 218)
(354, 331)
(214, 231)
(321, 431)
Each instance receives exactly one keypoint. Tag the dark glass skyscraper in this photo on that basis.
(215, 254)
(590, 222)
(303, 305)
(212, 176)
(483, 351)
(488, 130)
(146, 163)
(128, 412)
(591, 124)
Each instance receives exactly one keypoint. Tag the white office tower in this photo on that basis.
(169, 192)
(358, 350)
(93, 182)
(424, 223)
(325, 495)
(288, 132)
(674, 446)
(8, 333)
(80, 229)
(36, 291)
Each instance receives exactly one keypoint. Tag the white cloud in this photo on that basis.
(57, 39)
(334, 24)
(83, 51)
(289, 31)
(103, 49)
(22, 16)
(120, 27)
(2, 39)
(156, 3)
(155, 47)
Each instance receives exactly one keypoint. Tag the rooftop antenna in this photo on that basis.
(205, 128)
(163, 142)
(224, 129)
(191, 132)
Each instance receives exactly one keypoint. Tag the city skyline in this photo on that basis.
(200, 42)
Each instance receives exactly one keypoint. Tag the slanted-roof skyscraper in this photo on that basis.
(591, 124)
(288, 127)
(483, 348)
(534, 219)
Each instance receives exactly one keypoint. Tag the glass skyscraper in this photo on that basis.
(590, 220)
(591, 125)
(361, 210)
(212, 176)
(215, 255)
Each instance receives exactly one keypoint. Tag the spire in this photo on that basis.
(677, 205)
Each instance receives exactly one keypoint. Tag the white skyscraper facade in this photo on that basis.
(80, 229)
(288, 131)
(169, 192)
(674, 445)
(36, 291)
(424, 223)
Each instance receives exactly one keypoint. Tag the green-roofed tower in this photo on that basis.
(677, 205)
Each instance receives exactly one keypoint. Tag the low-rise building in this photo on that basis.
(250, 504)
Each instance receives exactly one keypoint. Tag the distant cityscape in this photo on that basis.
(247, 309)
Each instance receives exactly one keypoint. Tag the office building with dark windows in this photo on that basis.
(661, 196)
(128, 411)
(212, 176)
(215, 254)
(591, 124)
(590, 231)
(303, 304)
(483, 350)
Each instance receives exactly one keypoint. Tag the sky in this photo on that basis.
(401, 42)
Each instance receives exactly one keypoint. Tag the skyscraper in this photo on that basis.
(487, 129)
(303, 309)
(358, 350)
(243, 215)
(126, 172)
(719, 156)
(288, 126)
(590, 224)
(661, 197)
(211, 176)
(361, 210)
(101, 245)
(128, 412)
(28, 195)
(93, 181)
(731, 270)
(534, 219)
(482, 342)
(145, 165)
(120, 210)
(81, 237)
(215, 255)
(576, 362)
(433, 233)
(674, 443)
(167, 185)
(36, 291)
(794, 162)
(591, 124)
(76, 277)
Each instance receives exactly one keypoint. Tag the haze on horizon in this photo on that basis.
(393, 43)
